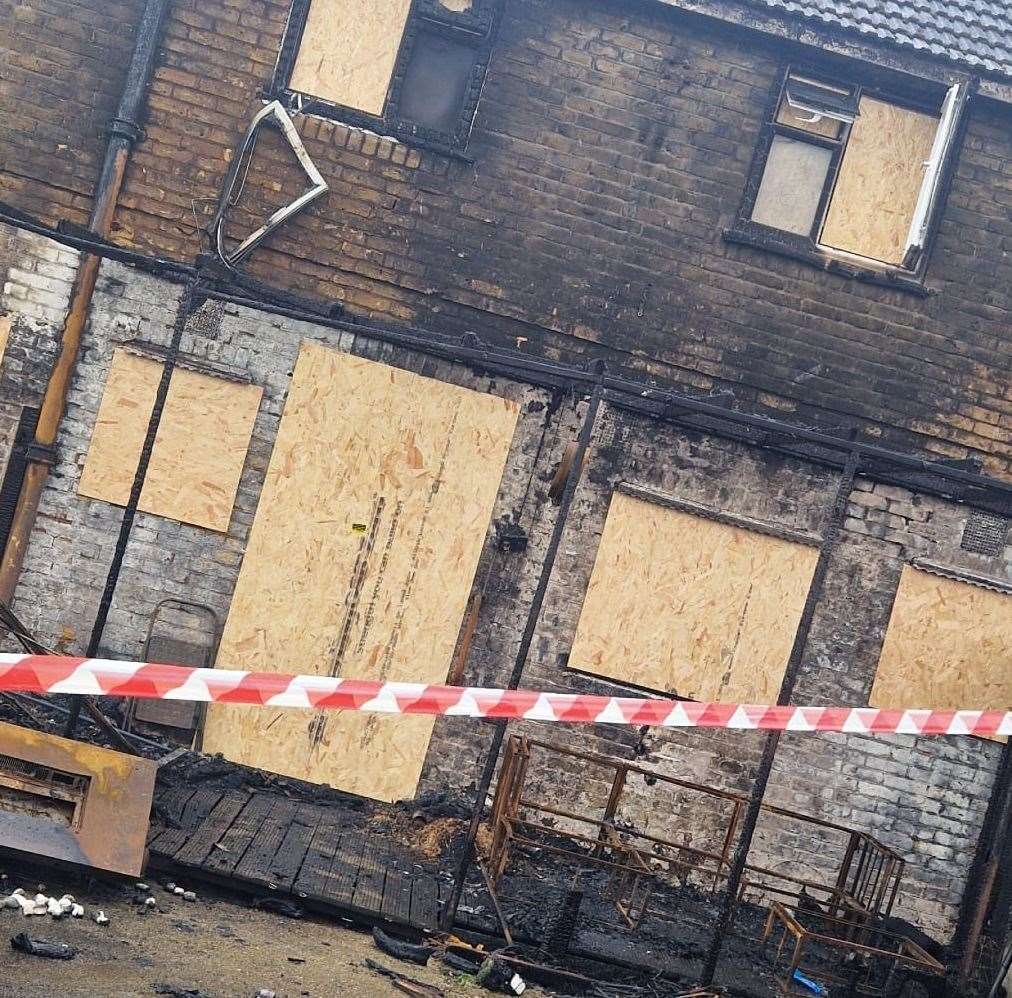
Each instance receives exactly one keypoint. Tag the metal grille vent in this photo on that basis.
(56, 778)
(207, 319)
(985, 534)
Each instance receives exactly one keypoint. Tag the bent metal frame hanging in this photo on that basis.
(274, 115)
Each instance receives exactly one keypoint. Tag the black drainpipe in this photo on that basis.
(124, 132)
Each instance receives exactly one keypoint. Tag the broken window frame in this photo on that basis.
(474, 28)
(947, 104)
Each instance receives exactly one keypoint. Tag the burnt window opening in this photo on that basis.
(851, 175)
(14, 476)
(412, 69)
(985, 533)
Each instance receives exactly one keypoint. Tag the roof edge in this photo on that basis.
(849, 42)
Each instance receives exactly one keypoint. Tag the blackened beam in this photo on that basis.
(87, 241)
(449, 912)
(830, 535)
(701, 414)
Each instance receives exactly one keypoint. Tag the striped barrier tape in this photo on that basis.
(47, 674)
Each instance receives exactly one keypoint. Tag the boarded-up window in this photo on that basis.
(408, 69)
(360, 562)
(852, 173)
(348, 51)
(5, 331)
(948, 646)
(691, 607)
(880, 176)
(199, 450)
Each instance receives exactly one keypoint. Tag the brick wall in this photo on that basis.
(62, 64)
(72, 546)
(923, 796)
(610, 150)
(36, 275)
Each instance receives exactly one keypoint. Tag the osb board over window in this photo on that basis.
(199, 450)
(5, 332)
(361, 558)
(949, 645)
(690, 607)
(880, 177)
(348, 51)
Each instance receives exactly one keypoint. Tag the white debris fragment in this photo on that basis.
(26, 905)
(150, 902)
(54, 908)
(101, 918)
(179, 891)
(170, 887)
(189, 896)
(77, 910)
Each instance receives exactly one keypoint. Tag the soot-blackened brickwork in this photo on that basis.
(63, 69)
(610, 151)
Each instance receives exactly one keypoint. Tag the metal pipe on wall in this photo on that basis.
(124, 131)
(829, 540)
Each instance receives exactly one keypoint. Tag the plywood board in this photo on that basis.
(5, 332)
(348, 51)
(880, 177)
(120, 428)
(360, 562)
(949, 645)
(199, 450)
(690, 607)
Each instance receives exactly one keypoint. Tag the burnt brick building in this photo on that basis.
(596, 345)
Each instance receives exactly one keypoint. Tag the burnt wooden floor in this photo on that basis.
(268, 844)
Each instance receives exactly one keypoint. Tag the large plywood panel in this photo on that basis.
(949, 645)
(199, 450)
(348, 51)
(880, 177)
(690, 607)
(360, 562)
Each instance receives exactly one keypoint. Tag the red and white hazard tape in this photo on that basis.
(102, 677)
